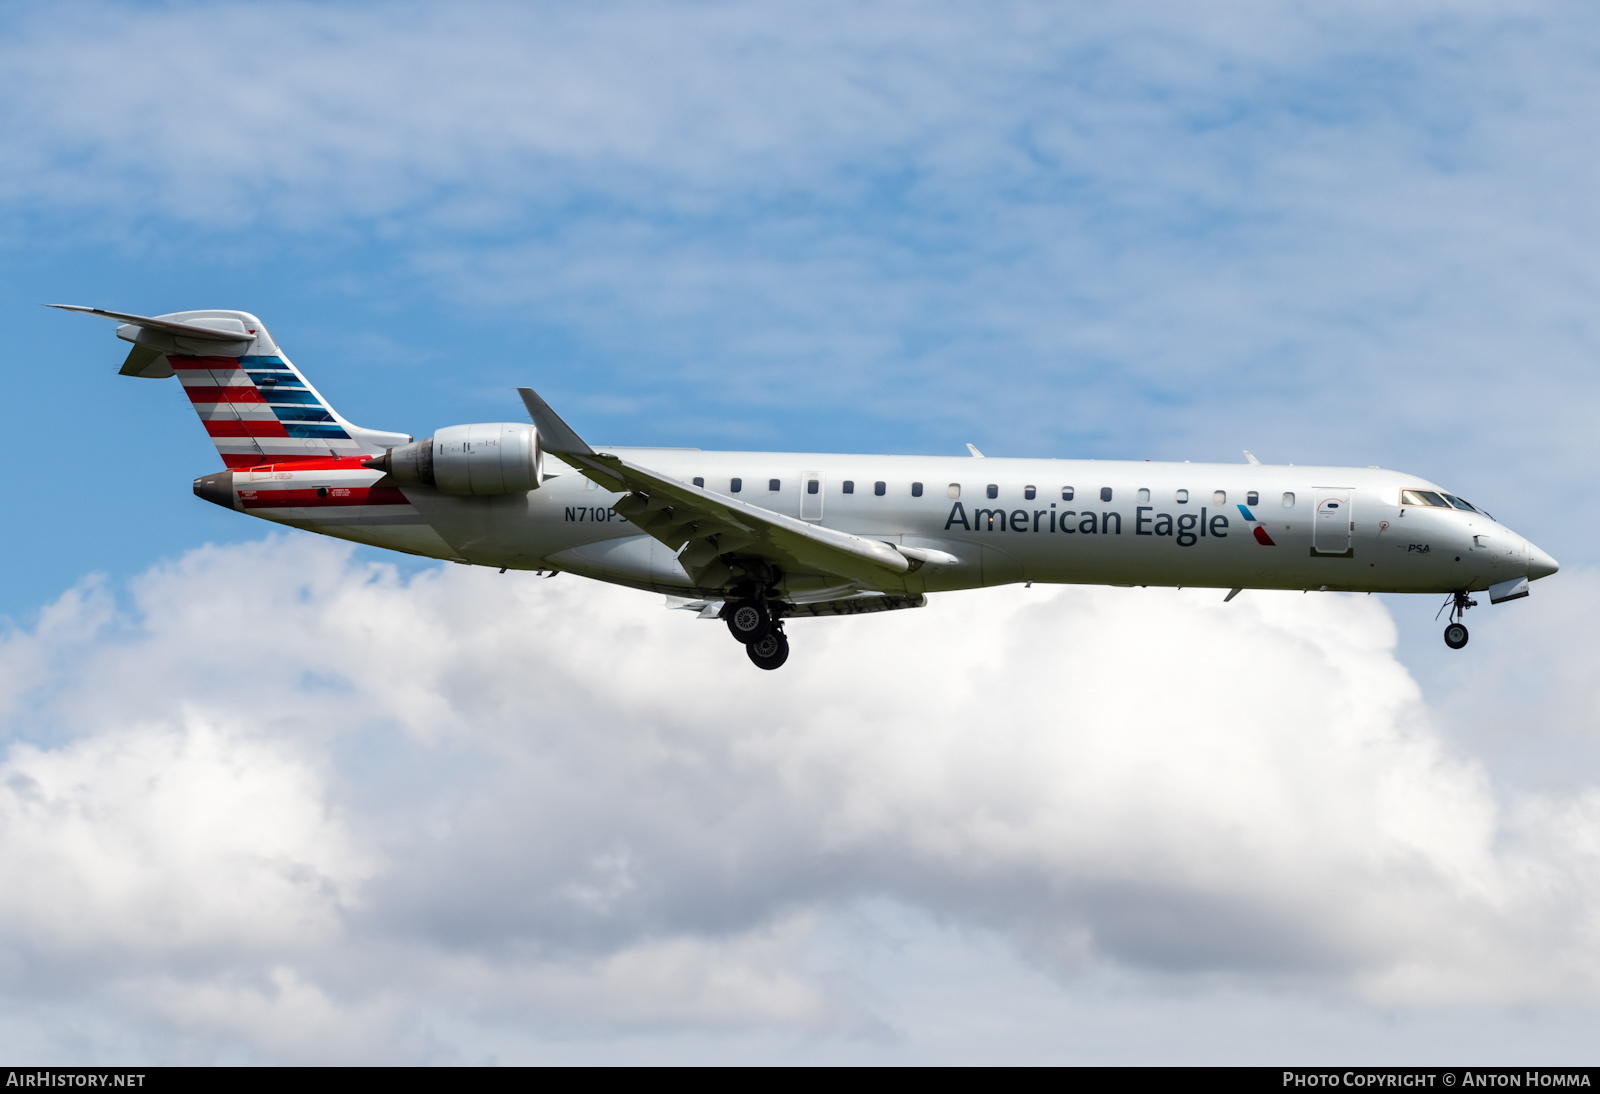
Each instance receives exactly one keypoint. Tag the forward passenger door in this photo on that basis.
(1333, 523)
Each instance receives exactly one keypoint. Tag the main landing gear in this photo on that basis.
(751, 622)
(1455, 634)
(771, 652)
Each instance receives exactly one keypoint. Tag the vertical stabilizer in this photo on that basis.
(255, 405)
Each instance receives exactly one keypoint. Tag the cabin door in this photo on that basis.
(1333, 525)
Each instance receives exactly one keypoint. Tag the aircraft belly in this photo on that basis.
(521, 530)
(636, 560)
(405, 532)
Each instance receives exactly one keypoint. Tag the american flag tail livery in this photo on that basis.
(254, 403)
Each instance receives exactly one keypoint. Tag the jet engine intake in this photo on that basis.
(469, 460)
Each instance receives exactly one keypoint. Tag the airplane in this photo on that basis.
(758, 538)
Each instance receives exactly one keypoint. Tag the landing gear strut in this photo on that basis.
(1455, 635)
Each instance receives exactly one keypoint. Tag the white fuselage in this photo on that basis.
(1320, 527)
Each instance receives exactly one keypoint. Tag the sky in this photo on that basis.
(269, 798)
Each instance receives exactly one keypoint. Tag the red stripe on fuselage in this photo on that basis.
(315, 463)
(310, 499)
(214, 394)
(240, 461)
(225, 427)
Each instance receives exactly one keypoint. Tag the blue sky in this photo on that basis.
(1354, 235)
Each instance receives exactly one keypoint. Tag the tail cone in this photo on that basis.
(216, 488)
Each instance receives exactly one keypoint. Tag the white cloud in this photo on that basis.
(162, 840)
(294, 807)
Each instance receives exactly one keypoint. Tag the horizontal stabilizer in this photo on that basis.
(226, 330)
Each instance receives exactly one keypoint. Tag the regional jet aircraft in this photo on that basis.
(756, 538)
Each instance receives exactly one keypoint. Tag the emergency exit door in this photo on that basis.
(1333, 525)
(811, 495)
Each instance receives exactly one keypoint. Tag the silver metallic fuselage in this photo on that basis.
(569, 524)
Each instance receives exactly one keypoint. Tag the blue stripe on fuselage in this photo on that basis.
(295, 429)
(302, 414)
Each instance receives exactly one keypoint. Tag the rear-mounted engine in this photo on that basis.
(466, 460)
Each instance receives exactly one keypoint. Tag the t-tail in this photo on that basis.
(256, 406)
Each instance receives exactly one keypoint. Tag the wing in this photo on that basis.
(719, 537)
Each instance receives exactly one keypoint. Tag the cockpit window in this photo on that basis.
(1458, 503)
(1423, 497)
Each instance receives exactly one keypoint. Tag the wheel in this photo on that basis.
(769, 652)
(1455, 636)
(749, 621)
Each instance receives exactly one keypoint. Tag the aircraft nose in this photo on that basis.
(1540, 564)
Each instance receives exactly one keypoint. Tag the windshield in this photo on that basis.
(1438, 499)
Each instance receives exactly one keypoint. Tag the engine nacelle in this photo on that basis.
(466, 460)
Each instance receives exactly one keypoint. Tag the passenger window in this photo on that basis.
(916, 490)
(1105, 493)
(1066, 493)
(1219, 498)
(1288, 499)
(1252, 498)
(1182, 497)
(734, 485)
(1144, 495)
(992, 490)
(1030, 492)
(698, 481)
(878, 488)
(849, 486)
(812, 486)
(773, 484)
(954, 490)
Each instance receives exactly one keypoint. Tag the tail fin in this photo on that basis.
(254, 403)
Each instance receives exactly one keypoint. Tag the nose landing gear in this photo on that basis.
(1455, 634)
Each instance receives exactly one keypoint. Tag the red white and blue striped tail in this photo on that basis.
(254, 403)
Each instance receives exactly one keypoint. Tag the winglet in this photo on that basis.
(974, 450)
(1250, 456)
(555, 435)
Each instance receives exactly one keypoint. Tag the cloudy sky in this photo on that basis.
(267, 798)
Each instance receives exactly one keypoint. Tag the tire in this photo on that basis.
(1455, 636)
(770, 652)
(749, 621)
